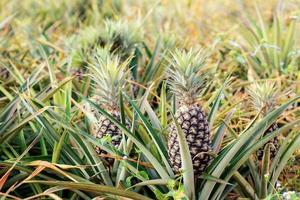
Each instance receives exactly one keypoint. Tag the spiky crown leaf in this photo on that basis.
(184, 75)
(263, 96)
(109, 75)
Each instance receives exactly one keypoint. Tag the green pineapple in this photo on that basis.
(109, 76)
(263, 98)
(186, 82)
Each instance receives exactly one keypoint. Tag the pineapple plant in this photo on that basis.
(109, 76)
(263, 98)
(120, 37)
(186, 82)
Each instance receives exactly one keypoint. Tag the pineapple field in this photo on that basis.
(150, 99)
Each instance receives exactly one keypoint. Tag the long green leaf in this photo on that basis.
(93, 188)
(186, 162)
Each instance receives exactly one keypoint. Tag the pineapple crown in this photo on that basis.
(263, 96)
(184, 75)
(122, 33)
(109, 76)
(88, 37)
(117, 35)
(168, 40)
(84, 39)
(81, 45)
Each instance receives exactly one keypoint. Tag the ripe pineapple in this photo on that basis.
(187, 83)
(263, 97)
(109, 76)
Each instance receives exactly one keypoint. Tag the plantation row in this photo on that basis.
(117, 100)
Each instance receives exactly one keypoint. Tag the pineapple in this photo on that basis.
(263, 98)
(187, 83)
(109, 75)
